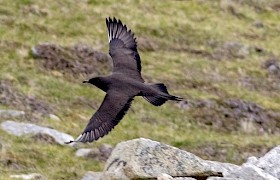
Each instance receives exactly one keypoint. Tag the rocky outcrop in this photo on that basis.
(147, 159)
(143, 158)
(20, 129)
(269, 163)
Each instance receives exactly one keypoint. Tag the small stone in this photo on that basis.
(9, 113)
(83, 152)
(272, 65)
(54, 117)
(184, 105)
(258, 24)
(101, 154)
(106, 150)
(27, 176)
(90, 175)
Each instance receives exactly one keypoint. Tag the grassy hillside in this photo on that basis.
(212, 53)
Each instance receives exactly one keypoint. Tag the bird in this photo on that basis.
(122, 85)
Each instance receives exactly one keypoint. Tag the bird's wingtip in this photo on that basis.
(69, 142)
(78, 139)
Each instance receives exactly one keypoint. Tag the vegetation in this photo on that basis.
(182, 43)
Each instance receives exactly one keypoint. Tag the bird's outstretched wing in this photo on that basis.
(123, 49)
(109, 114)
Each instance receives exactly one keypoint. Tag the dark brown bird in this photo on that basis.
(122, 85)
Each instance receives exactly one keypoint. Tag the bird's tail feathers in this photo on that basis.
(160, 99)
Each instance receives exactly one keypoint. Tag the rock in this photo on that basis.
(54, 117)
(101, 154)
(27, 176)
(225, 168)
(252, 160)
(9, 113)
(251, 172)
(272, 65)
(164, 176)
(144, 158)
(258, 24)
(83, 152)
(270, 162)
(223, 178)
(20, 129)
(105, 150)
(90, 175)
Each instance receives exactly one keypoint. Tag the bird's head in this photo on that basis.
(92, 80)
(98, 82)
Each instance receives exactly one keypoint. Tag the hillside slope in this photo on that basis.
(221, 56)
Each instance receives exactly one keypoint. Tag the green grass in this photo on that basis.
(177, 27)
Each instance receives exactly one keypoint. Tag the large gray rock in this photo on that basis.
(144, 158)
(270, 162)
(10, 113)
(20, 129)
(251, 172)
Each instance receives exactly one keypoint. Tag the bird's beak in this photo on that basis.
(86, 81)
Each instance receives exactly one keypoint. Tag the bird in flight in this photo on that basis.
(122, 85)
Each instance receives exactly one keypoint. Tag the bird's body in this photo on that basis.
(122, 85)
(125, 85)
